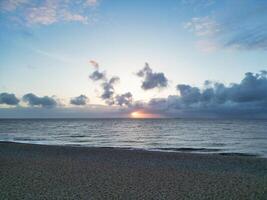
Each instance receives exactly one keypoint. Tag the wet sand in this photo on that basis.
(60, 172)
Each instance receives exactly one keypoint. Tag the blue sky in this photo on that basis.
(47, 46)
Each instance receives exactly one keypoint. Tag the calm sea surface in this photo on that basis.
(203, 136)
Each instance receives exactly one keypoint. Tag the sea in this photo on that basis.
(220, 136)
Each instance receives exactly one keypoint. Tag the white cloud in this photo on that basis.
(67, 16)
(203, 26)
(206, 29)
(242, 27)
(11, 5)
(48, 12)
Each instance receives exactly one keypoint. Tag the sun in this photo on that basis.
(141, 114)
(136, 114)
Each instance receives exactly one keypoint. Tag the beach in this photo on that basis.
(29, 171)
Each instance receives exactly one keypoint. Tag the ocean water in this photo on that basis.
(200, 136)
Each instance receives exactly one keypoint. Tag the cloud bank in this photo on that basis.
(152, 79)
(252, 89)
(245, 99)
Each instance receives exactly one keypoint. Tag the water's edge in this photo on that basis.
(162, 150)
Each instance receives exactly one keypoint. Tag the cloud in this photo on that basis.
(108, 90)
(67, 16)
(246, 26)
(252, 89)
(152, 79)
(94, 63)
(44, 15)
(245, 99)
(243, 26)
(11, 5)
(52, 11)
(97, 75)
(80, 100)
(107, 85)
(8, 99)
(206, 29)
(48, 12)
(124, 99)
(203, 26)
(250, 40)
(34, 100)
(189, 94)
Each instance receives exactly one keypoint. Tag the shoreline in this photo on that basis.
(34, 171)
(182, 150)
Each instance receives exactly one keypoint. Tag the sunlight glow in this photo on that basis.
(136, 114)
(141, 114)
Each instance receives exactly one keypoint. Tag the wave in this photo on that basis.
(186, 149)
(237, 154)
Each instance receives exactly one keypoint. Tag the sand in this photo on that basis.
(58, 172)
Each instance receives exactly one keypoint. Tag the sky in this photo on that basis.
(142, 58)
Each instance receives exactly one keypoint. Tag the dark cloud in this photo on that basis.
(245, 99)
(189, 94)
(253, 88)
(80, 100)
(107, 84)
(124, 99)
(97, 75)
(152, 79)
(34, 100)
(108, 90)
(9, 99)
